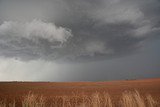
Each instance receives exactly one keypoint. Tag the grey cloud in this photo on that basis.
(35, 29)
(30, 39)
(101, 29)
(145, 64)
(22, 10)
(47, 39)
(121, 11)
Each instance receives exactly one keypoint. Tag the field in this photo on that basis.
(127, 93)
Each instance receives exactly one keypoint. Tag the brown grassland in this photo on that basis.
(127, 93)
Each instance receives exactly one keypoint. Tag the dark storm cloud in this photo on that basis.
(84, 30)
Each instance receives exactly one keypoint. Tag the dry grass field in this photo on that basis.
(129, 93)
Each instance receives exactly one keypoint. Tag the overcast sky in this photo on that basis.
(79, 40)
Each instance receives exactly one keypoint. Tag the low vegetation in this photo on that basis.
(127, 99)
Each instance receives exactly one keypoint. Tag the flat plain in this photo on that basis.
(18, 90)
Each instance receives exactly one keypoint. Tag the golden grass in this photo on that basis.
(4, 104)
(32, 100)
(151, 102)
(132, 99)
(128, 99)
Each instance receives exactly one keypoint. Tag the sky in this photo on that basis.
(79, 40)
